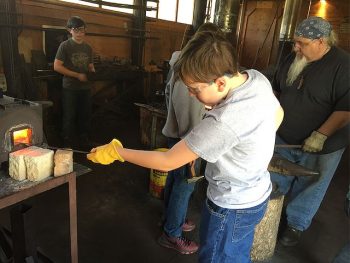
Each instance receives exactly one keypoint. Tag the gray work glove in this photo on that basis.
(315, 142)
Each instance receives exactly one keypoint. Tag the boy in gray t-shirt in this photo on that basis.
(236, 138)
(74, 60)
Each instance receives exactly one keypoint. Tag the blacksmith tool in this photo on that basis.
(66, 149)
(281, 165)
(277, 164)
(288, 146)
(194, 178)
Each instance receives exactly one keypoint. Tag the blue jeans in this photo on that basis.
(344, 255)
(76, 107)
(177, 193)
(306, 192)
(226, 235)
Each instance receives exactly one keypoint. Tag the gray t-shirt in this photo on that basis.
(75, 57)
(237, 140)
(184, 111)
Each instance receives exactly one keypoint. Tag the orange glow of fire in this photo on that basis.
(22, 136)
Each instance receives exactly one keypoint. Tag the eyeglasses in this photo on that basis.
(194, 91)
(302, 44)
(197, 90)
(79, 29)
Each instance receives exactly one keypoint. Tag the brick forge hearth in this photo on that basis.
(21, 125)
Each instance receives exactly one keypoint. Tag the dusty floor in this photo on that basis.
(118, 218)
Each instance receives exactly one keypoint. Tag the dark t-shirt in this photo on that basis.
(321, 88)
(75, 57)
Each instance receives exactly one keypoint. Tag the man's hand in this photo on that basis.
(314, 143)
(106, 154)
(82, 77)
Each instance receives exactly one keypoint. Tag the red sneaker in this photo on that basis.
(180, 244)
(188, 225)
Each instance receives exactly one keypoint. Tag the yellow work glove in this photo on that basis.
(106, 154)
(314, 143)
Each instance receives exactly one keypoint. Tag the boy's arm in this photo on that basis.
(58, 66)
(175, 157)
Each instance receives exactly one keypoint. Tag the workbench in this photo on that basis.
(13, 192)
(126, 85)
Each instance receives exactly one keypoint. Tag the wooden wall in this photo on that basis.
(259, 36)
(259, 33)
(54, 13)
(258, 40)
(337, 12)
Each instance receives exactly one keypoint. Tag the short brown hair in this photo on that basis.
(206, 57)
(208, 26)
(189, 31)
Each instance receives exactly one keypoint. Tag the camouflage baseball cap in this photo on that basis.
(313, 28)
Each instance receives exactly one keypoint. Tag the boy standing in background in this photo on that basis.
(74, 60)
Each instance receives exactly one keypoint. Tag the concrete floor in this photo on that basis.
(118, 218)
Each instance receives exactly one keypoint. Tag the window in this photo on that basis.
(80, 2)
(185, 11)
(124, 10)
(167, 10)
(176, 10)
(152, 13)
(172, 10)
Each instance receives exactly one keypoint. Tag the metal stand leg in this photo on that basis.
(73, 218)
(24, 247)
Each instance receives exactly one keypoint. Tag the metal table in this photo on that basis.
(12, 192)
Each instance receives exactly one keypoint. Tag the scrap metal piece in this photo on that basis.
(281, 165)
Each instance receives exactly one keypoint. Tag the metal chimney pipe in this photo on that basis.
(226, 16)
(290, 18)
(199, 13)
(289, 22)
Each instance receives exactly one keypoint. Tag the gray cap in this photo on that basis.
(314, 27)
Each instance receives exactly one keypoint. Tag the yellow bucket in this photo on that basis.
(157, 180)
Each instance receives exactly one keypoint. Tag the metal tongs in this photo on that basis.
(66, 149)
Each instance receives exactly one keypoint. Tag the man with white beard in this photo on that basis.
(313, 86)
